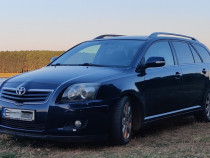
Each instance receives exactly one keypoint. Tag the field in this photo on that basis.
(181, 137)
(7, 75)
(23, 61)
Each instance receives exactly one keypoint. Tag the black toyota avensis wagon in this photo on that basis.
(109, 87)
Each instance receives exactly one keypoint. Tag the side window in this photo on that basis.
(183, 53)
(160, 49)
(196, 57)
(203, 52)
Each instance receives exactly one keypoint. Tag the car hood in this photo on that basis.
(57, 75)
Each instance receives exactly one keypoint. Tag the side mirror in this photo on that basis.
(155, 62)
(53, 59)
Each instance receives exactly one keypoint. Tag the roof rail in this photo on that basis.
(155, 34)
(107, 35)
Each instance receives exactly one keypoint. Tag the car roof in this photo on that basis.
(126, 37)
(155, 35)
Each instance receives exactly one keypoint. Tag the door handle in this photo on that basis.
(204, 71)
(178, 75)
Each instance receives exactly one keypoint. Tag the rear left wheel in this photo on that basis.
(204, 116)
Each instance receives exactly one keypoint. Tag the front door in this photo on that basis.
(162, 85)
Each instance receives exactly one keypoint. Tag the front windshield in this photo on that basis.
(101, 53)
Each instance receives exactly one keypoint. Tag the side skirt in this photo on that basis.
(172, 114)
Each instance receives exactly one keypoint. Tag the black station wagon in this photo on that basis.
(109, 87)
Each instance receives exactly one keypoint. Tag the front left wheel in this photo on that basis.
(121, 132)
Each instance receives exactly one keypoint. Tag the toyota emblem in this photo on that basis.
(20, 91)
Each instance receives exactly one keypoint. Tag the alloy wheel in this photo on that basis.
(208, 106)
(127, 121)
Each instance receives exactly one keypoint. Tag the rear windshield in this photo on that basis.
(118, 53)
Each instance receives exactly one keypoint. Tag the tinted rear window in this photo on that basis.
(183, 52)
(195, 54)
(203, 53)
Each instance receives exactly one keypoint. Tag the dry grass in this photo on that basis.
(175, 138)
(7, 75)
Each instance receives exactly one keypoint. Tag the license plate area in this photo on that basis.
(18, 114)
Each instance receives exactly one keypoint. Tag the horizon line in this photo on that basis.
(28, 50)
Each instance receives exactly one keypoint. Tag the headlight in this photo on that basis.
(80, 92)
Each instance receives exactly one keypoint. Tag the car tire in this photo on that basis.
(204, 116)
(121, 132)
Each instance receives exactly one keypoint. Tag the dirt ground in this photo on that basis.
(181, 137)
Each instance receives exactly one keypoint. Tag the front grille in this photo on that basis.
(25, 125)
(32, 95)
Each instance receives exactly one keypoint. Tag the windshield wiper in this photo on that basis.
(84, 64)
(57, 64)
(90, 64)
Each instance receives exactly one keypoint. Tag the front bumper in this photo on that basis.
(84, 138)
(55, 118)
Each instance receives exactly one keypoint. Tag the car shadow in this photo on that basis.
(150, 130)
(164, 125)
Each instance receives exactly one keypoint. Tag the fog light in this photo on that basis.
(78, 123)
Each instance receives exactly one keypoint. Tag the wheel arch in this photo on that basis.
(138, 107)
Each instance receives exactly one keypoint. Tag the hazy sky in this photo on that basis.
(60, 24)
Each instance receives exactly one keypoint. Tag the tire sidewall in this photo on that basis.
(116, 132)
(204, 106)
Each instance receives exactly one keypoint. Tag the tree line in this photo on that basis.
(23, 61)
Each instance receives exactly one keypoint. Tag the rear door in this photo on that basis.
(194, 74)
